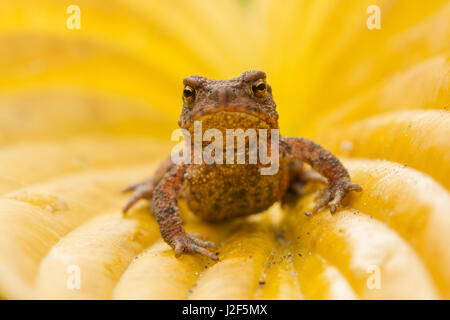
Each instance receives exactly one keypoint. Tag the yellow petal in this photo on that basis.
(126, 26)
(413, 205)
(34, 219)
(279, 279)
(321, 280)
(418, 139)
(19, 167)
(97, 252)
(157, 274)
(423, 86)
(60, 113)
(356, 244)
(242, 261)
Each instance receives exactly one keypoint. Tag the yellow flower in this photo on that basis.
(84, 112)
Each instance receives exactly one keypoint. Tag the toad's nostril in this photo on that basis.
(222, 97)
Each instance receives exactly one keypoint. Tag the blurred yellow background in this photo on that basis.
(86, 111)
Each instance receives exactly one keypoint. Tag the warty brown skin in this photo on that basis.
(217, 192)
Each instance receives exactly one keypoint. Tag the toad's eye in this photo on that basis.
(188, 94)
(259, 88)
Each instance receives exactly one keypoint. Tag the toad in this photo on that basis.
(222, 190)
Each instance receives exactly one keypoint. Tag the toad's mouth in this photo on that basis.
(233, 117)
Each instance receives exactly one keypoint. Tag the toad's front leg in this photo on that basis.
(324, 162)
(167, 212)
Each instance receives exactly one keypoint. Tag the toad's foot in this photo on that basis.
(296, 188)
(142, 190)
(333, 194)
(306, 176)
(313, 176)
(190, 243)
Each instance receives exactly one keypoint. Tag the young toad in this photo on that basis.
(219, 191)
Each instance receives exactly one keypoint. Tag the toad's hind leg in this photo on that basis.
(298, 177)
(324, 162)
(144, 189)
